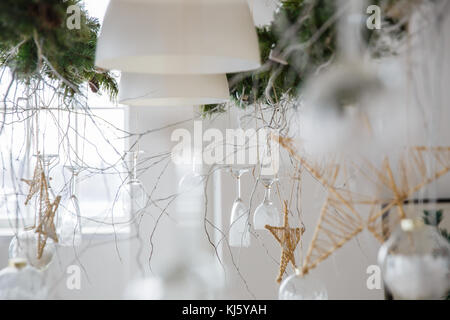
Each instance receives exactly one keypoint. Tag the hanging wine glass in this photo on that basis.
(266, 213)
(302, 287)
(239, 234)
(25, 246)
(47, 160)
(69, 222)
(194, 179)
(415, 261)
(132, 197)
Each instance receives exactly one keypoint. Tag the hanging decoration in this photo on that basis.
(415, 261)
(302, 287)
(46, 209)
(288, 238)
(339, 221)
(26, 245)
(19, 281)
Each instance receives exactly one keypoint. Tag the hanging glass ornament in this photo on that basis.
(25, 245)
(302, 287)
(415, 262)
(21, 282)
(69, 215)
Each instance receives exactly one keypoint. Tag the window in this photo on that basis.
(94, 140)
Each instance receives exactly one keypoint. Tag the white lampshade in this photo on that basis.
(178, 37)
(137, 89)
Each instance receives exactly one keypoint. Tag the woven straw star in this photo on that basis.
(34, 183)
(46, 211)
(288, 238)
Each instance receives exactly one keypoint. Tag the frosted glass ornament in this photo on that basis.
(308, 287)
(21, 282)
(25, 246)
(415, 262)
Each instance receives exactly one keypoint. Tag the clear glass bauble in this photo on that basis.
(307, 287)
(25, 246)
(21, 282)
(239, 233)
(415, 262)
(69, 224)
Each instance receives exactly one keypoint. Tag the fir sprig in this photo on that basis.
(294, 24)
(35, 42)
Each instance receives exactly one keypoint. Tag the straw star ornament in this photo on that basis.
(46, 210)
(288, 238)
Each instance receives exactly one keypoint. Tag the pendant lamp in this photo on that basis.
(178, 37)
(172, 90)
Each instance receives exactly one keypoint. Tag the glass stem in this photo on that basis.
(135, 167)
(239, 187)
(72, 185)
(267, 195)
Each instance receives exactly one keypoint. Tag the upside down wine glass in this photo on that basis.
(239, 234)
(132, 196)
(266, 213)
(69, 222)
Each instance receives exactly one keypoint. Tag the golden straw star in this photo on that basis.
(288, 238)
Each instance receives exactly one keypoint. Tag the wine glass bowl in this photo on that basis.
(239, 233)
(266, 213)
